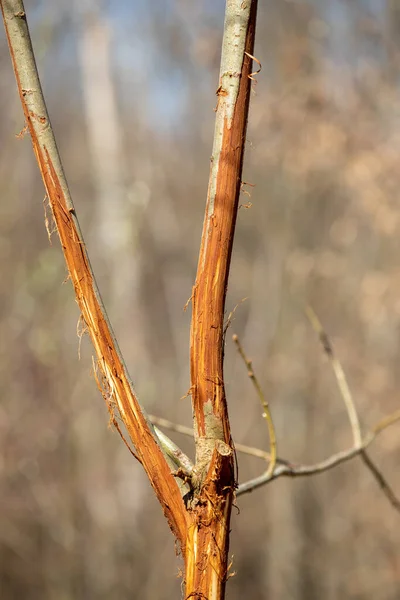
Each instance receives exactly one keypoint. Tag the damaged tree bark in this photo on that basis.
(196, 499)
(207, 546)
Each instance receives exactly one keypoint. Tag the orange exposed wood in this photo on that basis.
(202, 525)
(108, 358)
(206, 557)
(109, 362)
(214, 261)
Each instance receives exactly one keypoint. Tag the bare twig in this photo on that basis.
(114, 374)
(167, 424)
(386, 421)
(347, 396)
(360, 445)
(339, 375)
(334, 460)
(383, 484)
(264, 403)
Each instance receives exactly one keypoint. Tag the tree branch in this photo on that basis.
(264, 403)
(360, 445)
(114, 373)
(348, 400)
(292, 470)
(383, 484)
(340, 376)
(208, 298)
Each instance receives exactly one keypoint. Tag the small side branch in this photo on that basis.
(380, 479)
(264, 403)
(289, 469)
(293, 470)
(348, 400)
(359, 444)
(340, 376)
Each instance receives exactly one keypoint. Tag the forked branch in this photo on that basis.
(293, 470)
(360, 444)
(348, 400)
(340, 376)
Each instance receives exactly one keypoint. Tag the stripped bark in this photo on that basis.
(115, 381)
(208, 539)
(200, 519)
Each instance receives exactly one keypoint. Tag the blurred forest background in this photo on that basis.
(130, 88)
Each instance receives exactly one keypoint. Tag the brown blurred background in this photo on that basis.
(131, 88)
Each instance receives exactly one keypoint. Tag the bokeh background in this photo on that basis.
(130, 87)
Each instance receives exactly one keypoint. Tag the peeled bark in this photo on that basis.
(196, 500)
(207, 546)
(110, 369)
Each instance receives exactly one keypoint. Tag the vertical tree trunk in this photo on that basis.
(207, 545)
(207, 542)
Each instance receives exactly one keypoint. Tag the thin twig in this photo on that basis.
(161, 422)
(386, 421)
(383, 484)
(264, 403)
(339, 375)
(347, 396)
(360, 445)
(331, 462)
